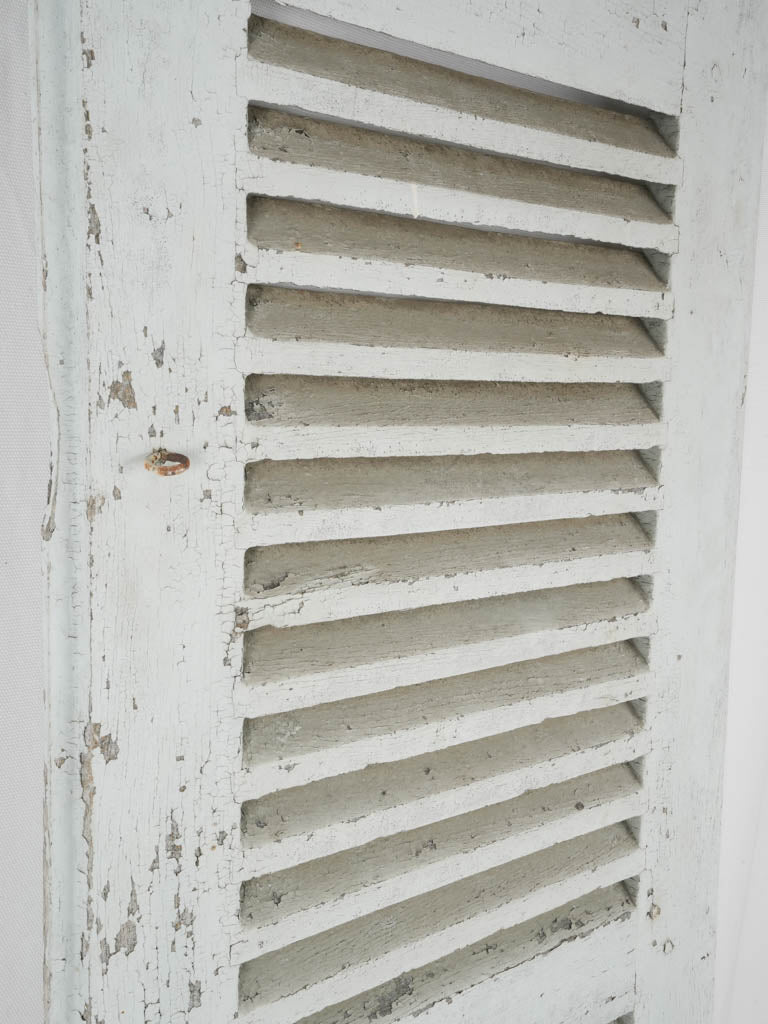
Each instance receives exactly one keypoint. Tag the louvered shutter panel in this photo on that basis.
(404, 701)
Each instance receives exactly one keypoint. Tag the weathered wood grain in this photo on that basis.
(286, 750)
(723, 114)
(301, 70)
(594, 44)
(282, 986)
(310, 245)
(140, 205)
(279, 908)
(328, 661)
(292, 826)
(380, 675)
(328, 499)
(334, 333)
(291, 584)
(588, 945)
(323, 161)
(290, 417)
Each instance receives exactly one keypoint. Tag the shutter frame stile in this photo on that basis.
(137, 110)
(408, 696)
(723, 105)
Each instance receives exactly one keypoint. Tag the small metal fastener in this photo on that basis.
(166, 463)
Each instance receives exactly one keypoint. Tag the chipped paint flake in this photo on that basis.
(122, 390)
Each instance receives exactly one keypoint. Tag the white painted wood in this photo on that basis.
(282, 987)
(406, 723)
(722, 111)
(593, 984)
(138, 111)
(294, 584)
(290, 827)
(592, 138)
(290, 749)
(328, 500)
(307, 245)
(588, 945)
(550, 44)
(326, 334)
(285, 906)
(290, 668)
(324, 161)
(306, 418)
(441, 387)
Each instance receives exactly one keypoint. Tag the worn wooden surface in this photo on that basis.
(420, 930)
(290, 827)
(331, 499)
(342, 736)
(291, 584)
(518, 962)
(138, 113)
(294, 331)
(308, 245)
(309, 898)
(588, 47)
(331, 162)
(327, 661)
(296, 417)
(429, 640)
(720, 142)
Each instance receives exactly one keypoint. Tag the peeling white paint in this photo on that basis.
(453, 649)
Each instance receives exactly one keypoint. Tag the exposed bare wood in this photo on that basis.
(281, 907)
(321, 499)
(292, 826)
(428, 637)
(291, 584)
(589, 945)
(328, 162)
(326, 333)
(329, 661)
(310, 245)
(281, 987)
(285, 750)
(307, 72)
(291, 417)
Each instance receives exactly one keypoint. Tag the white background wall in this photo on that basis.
(24, 455)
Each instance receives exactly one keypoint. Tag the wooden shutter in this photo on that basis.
(404, 702)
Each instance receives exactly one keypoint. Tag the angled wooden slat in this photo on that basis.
(294, 748)
(282, 986)
(334, 417)
(326, 499)
(514, 968)
(294, 584)
(290, 827)
(308, 73)
(285, 669)
(309, 245)
(286, 906)
(545, 46)
(328, 162)
(326, 334)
